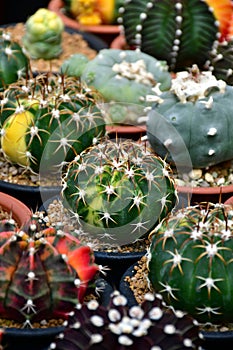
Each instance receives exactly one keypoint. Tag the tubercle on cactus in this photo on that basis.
(45, 272)
(148, 326)
(190, 261)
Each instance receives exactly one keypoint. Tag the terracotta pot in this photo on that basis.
(134, 132)
(212, 340)
(105, 31)
(118, 42)
(229, 201)
(19, 211)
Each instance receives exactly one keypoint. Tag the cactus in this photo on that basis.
(14, 63)
(43, 35)
(119, 327)
(124, 78)
(45, 272)
(118, 190)
(190, 261)
(181, 32)
(48, 120)
(194, 116)
(220, 61)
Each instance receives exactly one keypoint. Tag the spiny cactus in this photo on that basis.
(118, 327)
(118, 190)
(45, 272)
(48, 120)
(14, 63)
(43, 35)
(190, 261)
(194, 117)
(124, 78)
(181, 32)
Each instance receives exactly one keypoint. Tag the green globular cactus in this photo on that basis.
(119, 326)
(190, 261)
(14, 63)
(118, 191)
(220, 61)
(48, 120)
(45, 272)
(179, 32)
(123, 77)
(195, 118)
(43, 35)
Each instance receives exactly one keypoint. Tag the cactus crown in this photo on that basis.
(45, 272)
(118, 190)
(180, 32)
(14, 63)
(48, 120)
(148, 326)
(190, 261)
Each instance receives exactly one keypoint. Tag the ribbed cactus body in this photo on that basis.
(195, 118)
(14, 63)
(44, 273)
(190, 261)
(49, 120)
(43, 34)
(118, 190)
(179, 32)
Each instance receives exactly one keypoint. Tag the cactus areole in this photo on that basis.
(47, 121)
(190, 261)
(198, 109)
(118, 190)
(45, 273)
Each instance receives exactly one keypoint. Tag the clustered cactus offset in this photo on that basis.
(190, 261)
(14, 63)
(48, 120)
(45, 272)
(43, 35)
(118, 327)
(118, 190)
(181, 32)
(194, 117)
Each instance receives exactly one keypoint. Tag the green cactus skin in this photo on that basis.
(194, 116)
(45, 272)
(118, 190)
(119, 327)
(14, 63)
(65, 119)
(220, 61)
(43, 35)
(190, 261)
(180, 32)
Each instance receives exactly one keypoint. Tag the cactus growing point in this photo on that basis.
(190, 261)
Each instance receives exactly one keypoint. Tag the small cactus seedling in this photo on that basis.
(14, 63)
(181, 32)
(190, 261)
(48, 120)
(45, 272)
(148, 326)
(118, 190)
(43, 35)
(194, 117)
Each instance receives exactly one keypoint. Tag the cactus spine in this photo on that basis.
(190, 261)
(118, 190)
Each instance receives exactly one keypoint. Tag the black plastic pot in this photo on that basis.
(212, 340)
(40, 339)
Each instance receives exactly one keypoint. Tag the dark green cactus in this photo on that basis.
(43, 35)
(195, 118)
(119, 327)
(118, 190)
(48, 120)
(45, 272)
(190, 261)
(14, 63)
(180, 32)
